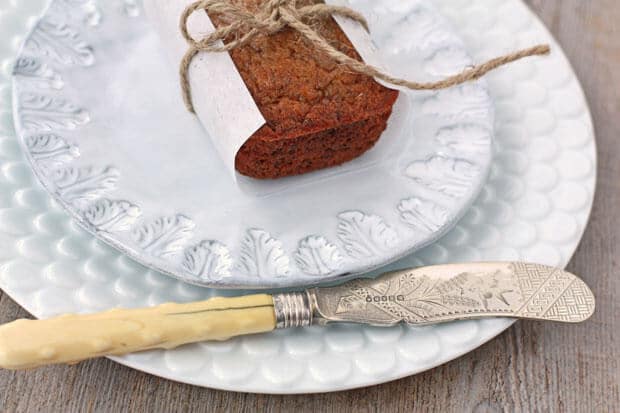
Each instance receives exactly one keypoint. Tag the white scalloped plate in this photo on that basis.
(99, 114)
(534, 207)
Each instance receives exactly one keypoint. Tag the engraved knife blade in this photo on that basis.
(444, 293)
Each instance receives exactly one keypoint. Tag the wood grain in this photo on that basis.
(531, 367)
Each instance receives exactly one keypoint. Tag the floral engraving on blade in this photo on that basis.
(37, 73)
(263, 256)
(55, 39)
(465, 138)
(112, 216)
(415, 297)
(51, 151)
(164, 236)
(450, 176)
(78, 185)
(461, 103)
(209, 260)
(42, 113)
(423, 215)
(317, 256)
(79, 11)
(365, 236)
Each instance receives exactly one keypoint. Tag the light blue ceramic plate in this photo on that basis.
(99, 114)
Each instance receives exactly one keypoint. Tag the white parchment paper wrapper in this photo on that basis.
(221, 99)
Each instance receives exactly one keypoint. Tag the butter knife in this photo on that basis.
(421, 296)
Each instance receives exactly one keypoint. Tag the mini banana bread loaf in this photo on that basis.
(318, 114)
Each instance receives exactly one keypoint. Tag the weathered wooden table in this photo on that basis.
(531, 367)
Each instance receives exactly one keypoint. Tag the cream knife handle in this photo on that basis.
(73, 338)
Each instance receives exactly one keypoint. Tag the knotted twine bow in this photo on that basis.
(275, 15)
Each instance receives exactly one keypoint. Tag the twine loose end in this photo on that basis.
(275, 15)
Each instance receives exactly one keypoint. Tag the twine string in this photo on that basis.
(275, 15)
